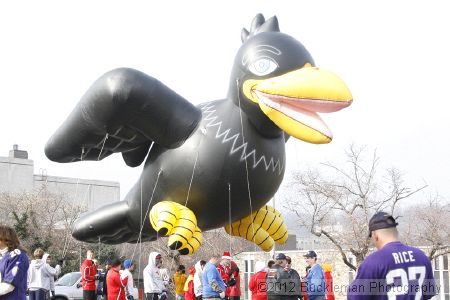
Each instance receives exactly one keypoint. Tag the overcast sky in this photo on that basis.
(394, 56)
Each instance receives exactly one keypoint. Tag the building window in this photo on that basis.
(441, 275)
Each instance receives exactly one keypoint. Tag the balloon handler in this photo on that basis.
(207, 166)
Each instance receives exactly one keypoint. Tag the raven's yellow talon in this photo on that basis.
(179, 223)
(263, 228)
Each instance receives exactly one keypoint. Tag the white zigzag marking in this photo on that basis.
(211, 120)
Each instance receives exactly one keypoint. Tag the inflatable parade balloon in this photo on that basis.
(207, 166)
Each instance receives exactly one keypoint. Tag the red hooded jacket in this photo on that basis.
(88, 271)
(257, 285)
(189, 285)
(329, 285)
(116, 285)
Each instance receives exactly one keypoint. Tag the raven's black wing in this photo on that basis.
(123, 111)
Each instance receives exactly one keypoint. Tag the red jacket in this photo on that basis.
(88, 271)
(189, 292)
(116, 285)
(223, 271)
(234, 290)
(257, 285)
(303, 286)
(329, 285)
(303, 289)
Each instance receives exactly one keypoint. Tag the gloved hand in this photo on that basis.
(222, 295)
(163, 295)
(231, 282)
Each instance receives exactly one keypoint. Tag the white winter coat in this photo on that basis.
(130, 285)
(153, 281)
(198, 288)
(41, 274)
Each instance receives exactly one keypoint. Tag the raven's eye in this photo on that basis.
(263, 66)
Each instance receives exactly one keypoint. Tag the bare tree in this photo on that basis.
(427, 225)
(42, 219)
(337, 202)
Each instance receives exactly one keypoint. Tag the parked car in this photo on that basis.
(68, 287)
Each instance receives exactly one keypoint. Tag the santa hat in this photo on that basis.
(226, 255)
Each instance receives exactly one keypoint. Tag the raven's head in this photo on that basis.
(274, 77)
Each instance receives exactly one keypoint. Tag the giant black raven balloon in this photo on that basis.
(206, 166)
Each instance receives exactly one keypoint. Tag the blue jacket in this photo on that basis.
(315, 282)
(211, 278)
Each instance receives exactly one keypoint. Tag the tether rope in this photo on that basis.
(192, 178)
(229, 212)
(98, 159)
(103, 145)
(187, 198)
(139, 240)
(146, 213)
(246, 165)
(67, 239)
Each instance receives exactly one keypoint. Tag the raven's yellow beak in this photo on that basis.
(292, 101)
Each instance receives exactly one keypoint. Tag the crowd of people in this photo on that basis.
(278, 280)
(394, 264)
(217, 278)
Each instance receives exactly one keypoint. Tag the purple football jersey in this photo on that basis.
(396, 271)
(13, 270)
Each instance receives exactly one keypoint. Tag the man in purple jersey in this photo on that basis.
(395, 271)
